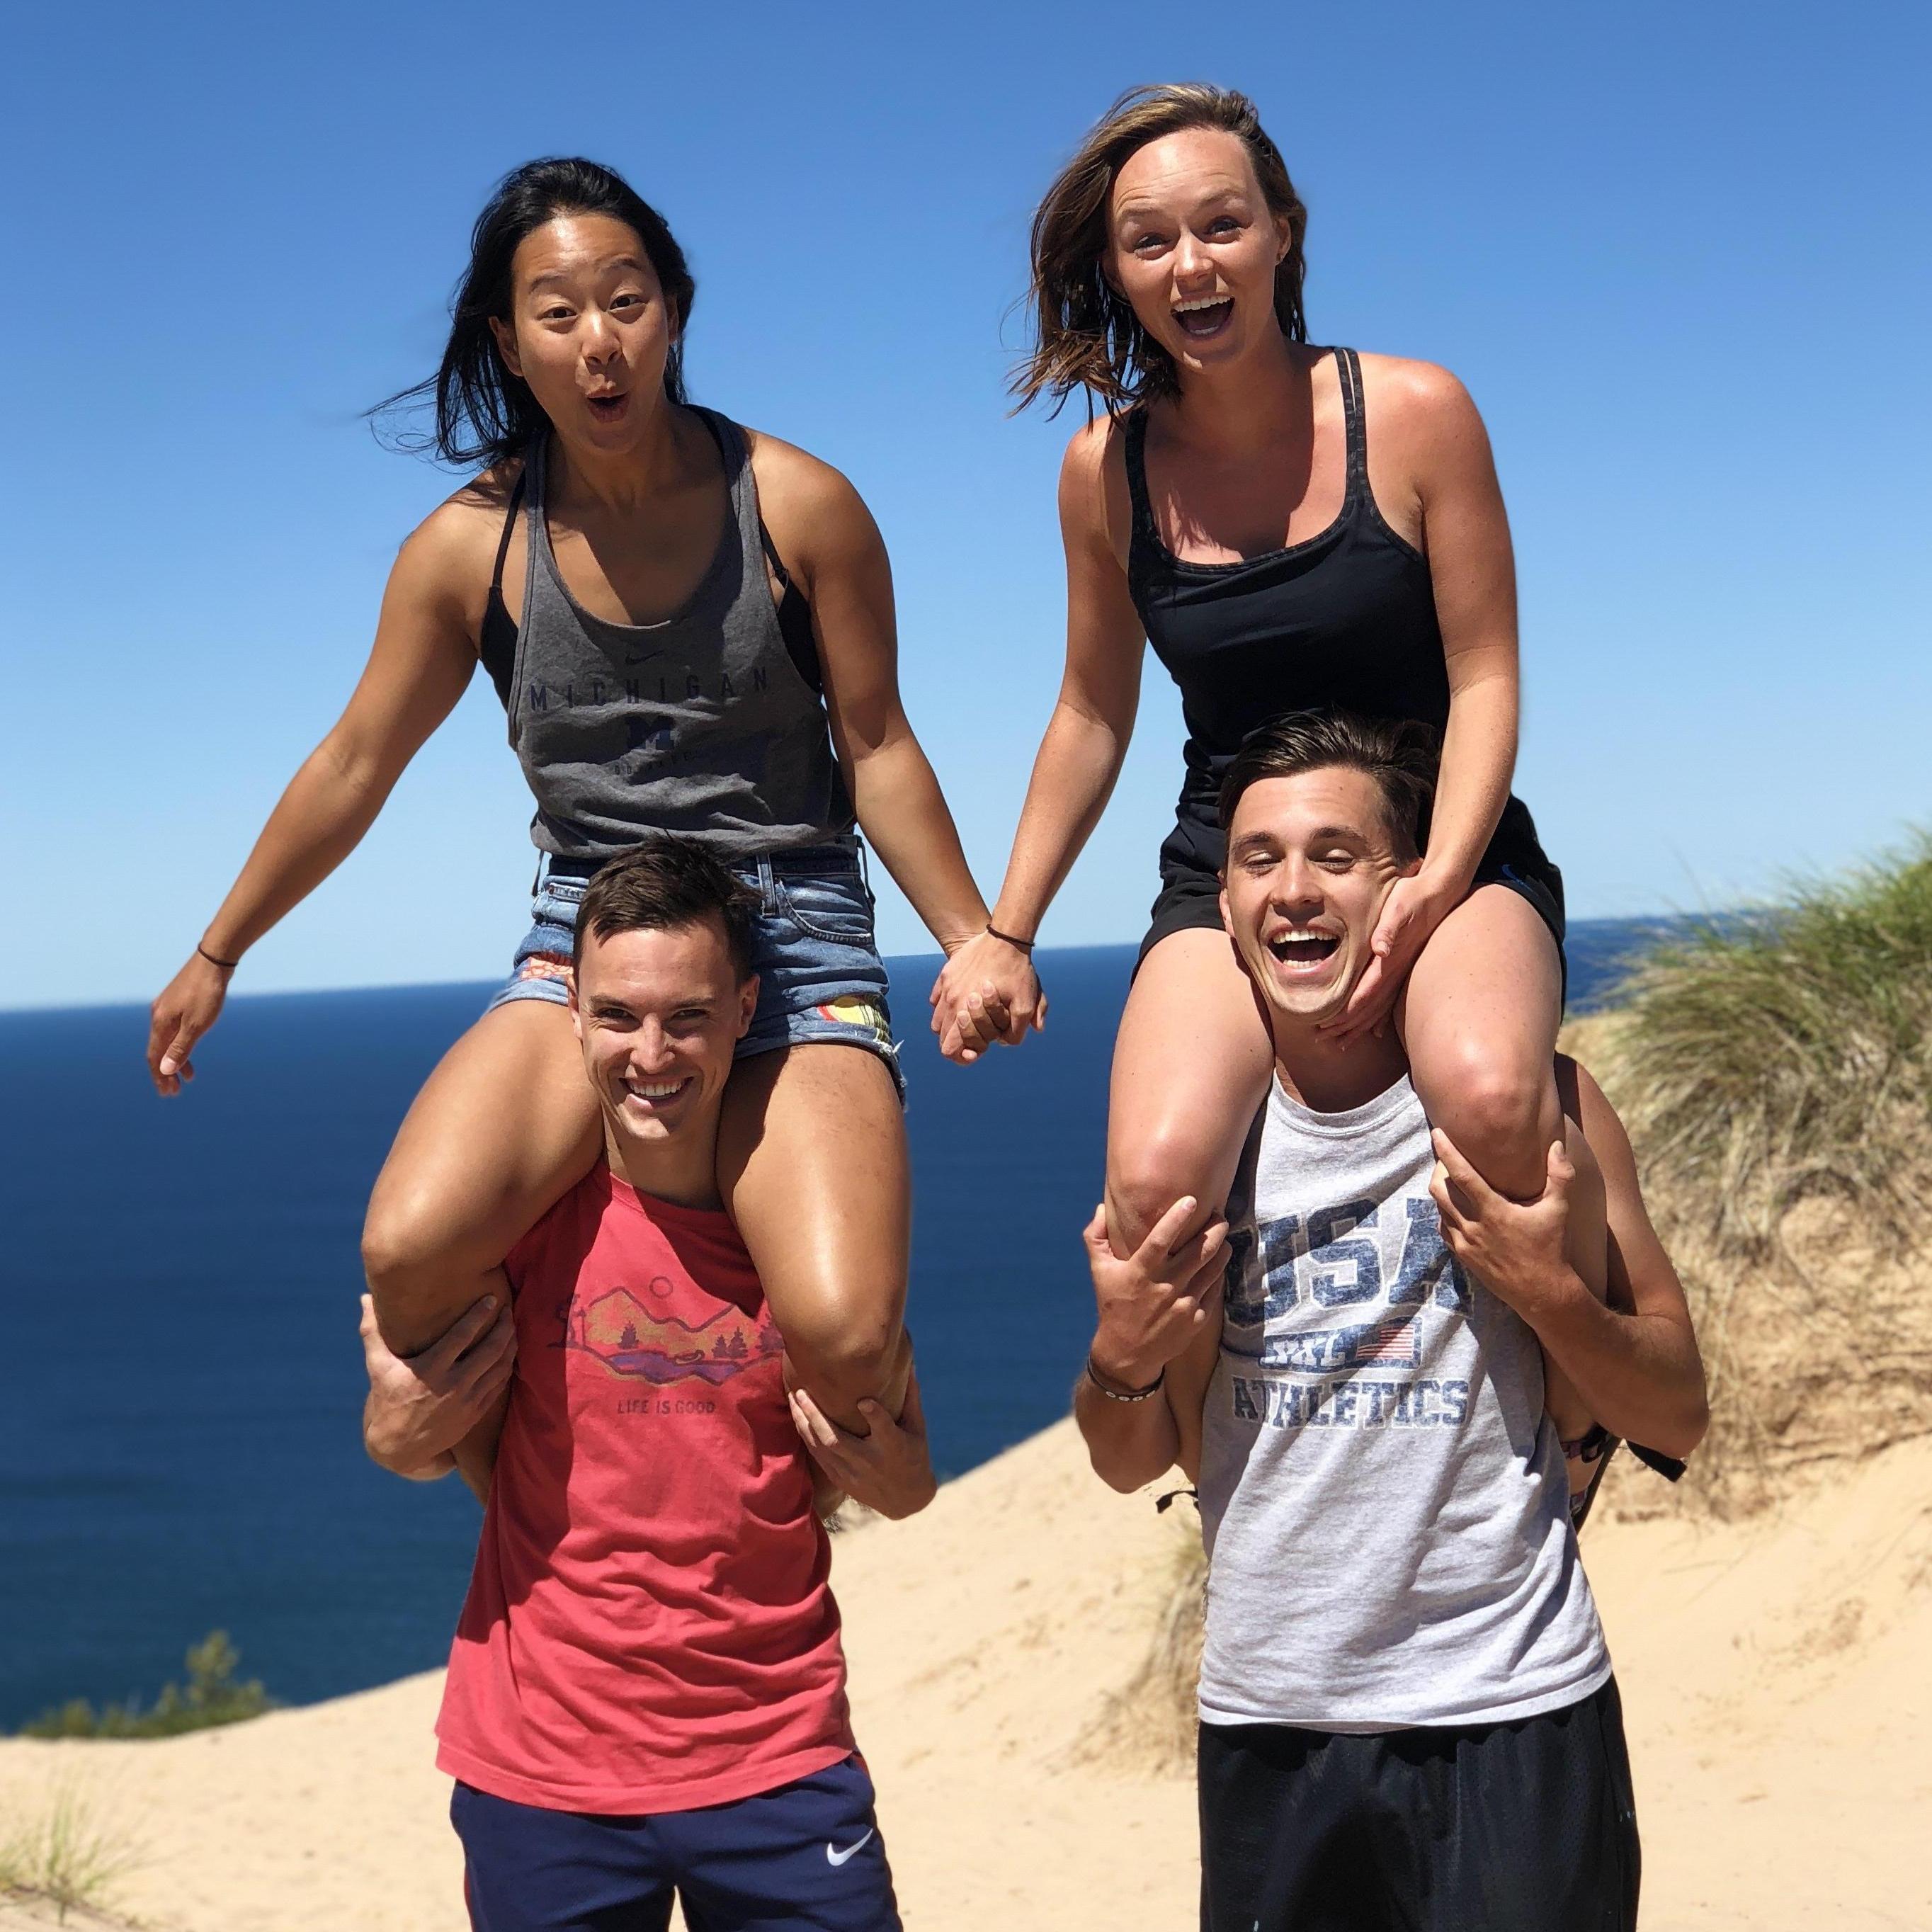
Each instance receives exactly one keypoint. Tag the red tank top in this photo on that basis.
(649, 1626)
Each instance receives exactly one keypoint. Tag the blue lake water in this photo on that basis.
(181, 1380)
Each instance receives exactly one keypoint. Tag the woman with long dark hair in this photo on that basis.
(690, 626)
(1294, 529)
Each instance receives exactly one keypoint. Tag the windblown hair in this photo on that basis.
(484, 415)
(1400, 754)
(1086, 334)
(661, 885)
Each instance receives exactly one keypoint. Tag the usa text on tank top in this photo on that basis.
(1344, 621)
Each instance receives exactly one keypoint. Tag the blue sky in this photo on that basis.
(1677, 253)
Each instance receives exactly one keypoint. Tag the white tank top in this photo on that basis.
(1383, 1498)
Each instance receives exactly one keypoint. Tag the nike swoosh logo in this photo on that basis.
(838, 1858)
(634, 658)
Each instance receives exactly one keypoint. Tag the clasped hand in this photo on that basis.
(1515, 1249)
(888, 1471)
(986, 991)
(420, 1406)
(1153, 1302)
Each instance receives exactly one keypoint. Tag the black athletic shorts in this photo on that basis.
(1522, 1827)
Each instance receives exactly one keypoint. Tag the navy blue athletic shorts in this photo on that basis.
(807, 1855)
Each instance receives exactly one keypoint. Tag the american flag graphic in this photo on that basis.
(1394, 1340)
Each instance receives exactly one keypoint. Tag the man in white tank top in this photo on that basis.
(1408, 1718)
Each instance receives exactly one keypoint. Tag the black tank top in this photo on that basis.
(1344, 621)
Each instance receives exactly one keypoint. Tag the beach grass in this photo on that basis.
(212, 1696)
(69, 1857)
(1788, 1054)
(1775, 1070)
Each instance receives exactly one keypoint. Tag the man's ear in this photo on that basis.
(505, 338)
(748, 1004)
(1227, 922)
(576, 1011)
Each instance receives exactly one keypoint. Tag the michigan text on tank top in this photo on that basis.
(1343, 622)
(701, 724)
(1382, 1497)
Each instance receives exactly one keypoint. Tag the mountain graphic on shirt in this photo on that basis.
(620, 1331)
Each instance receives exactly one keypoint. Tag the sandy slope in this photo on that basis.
(1775, 1674)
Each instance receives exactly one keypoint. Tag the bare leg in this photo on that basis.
(1479, 1017)
(1191, 1068)
(812, 1164)
(505, 1125)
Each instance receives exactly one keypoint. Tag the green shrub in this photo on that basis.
(212, 1697)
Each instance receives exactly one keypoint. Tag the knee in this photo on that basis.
(408, 1237)
(1148, 1175)
(1502, 1118)
(842, 1351)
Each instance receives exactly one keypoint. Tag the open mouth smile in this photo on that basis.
(1303, 952)
(1205, 317)
(652, 1095)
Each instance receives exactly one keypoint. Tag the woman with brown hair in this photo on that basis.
(1293, 529)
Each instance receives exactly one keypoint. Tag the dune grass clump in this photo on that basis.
(1790, 1053)
(1775, 1073)
(212, 1696)
(1147, 1726)
(69, 1857)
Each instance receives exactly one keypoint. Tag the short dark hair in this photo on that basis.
(662, 884)
(1400, 754)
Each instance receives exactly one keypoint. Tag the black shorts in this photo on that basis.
(1521, 1827)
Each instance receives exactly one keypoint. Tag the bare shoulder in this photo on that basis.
(453, 550)
(809, 507)
(1425, 436)
(1093, 500)
(1406, 393)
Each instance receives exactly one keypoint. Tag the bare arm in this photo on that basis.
(1087, 737)
(1159, 1321)
(1635, 1363)
(1466, 536)
(819, 521)
(423, 656)
(1449, 495)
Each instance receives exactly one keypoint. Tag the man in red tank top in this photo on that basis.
(646, 1694)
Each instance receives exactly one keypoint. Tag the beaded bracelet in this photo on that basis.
(1114, 1395)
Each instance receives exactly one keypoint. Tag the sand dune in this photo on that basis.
(1774, 1672)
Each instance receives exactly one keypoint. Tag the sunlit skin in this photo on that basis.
(1246, 454)
(1195, 249)
(1310, 862)
(812, 1161)
(658, 1016)
(590, 331)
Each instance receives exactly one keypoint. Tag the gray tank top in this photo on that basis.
(702, 724)
(1383, 1498)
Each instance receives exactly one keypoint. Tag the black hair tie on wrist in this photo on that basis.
(1026, 946)
(226, 965)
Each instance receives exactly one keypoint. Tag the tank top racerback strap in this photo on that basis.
(1147, 546)
(1355, 415)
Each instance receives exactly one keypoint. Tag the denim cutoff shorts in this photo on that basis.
(820, 975)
